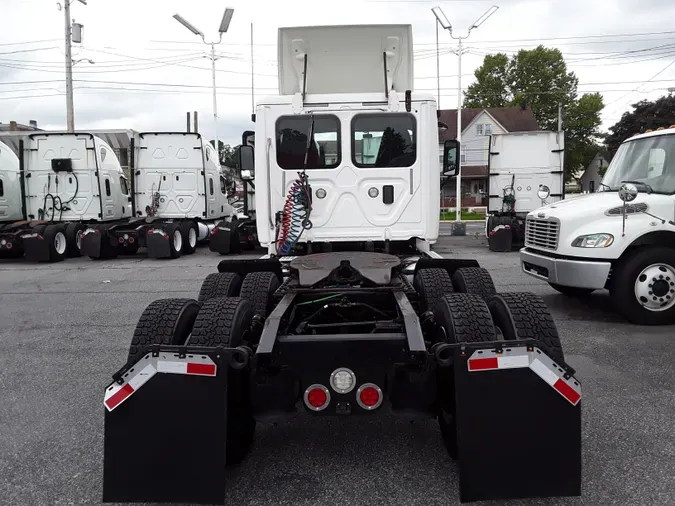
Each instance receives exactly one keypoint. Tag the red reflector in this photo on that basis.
(214, 231)
(131, 240)
(121, 240)
(121, 394)
(166, 236)
(480, 364)
(251, 238)
(317, 397)
(97, 231)
(204, 369)
(369, 396)
(150, 232)
(10, 245)
(567, 391)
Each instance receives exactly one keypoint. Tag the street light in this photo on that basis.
(224, 25)
(445, 23)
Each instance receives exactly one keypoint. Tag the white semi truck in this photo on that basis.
(519, 165)
(77, 199)
(350, 313)
(621, 238)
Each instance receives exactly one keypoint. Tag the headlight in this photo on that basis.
(593, 241)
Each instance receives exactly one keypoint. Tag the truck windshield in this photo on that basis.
(383, 140)
(324, 152)
(650, 161)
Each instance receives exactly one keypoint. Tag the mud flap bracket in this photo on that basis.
(165, 441)
(518, 418)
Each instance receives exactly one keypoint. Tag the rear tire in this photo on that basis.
(526, 316)
(465, 318)
(432, 285)
(476, 280)
(223, 322)
(73, 239)
(175, 234)
(164, 321)
(220, 284)
(258, 288)
(55, 239)
(190, 236)
(572, 291)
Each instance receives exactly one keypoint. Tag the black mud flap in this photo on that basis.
(518, 425)
(220, 239)
(158, 245)
(165, 439)
(92, 243)
(35, 248)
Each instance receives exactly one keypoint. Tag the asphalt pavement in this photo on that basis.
(66, 328)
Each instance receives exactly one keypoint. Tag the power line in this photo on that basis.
(27, 42)
(647, 81)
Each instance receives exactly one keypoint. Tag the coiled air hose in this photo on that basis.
(294, 218)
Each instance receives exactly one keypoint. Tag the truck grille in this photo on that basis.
(542, 233)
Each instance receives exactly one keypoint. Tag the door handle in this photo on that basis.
(388, 194)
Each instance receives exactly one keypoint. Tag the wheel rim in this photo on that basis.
(60, 243)
(655, 287)
(192, 237)
(177, 240)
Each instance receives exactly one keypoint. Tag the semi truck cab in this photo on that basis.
(621, 238)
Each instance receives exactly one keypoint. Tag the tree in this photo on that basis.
(645, 115)
(228, 156)
(539, 78)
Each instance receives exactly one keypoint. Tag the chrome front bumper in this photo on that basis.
(577, 273)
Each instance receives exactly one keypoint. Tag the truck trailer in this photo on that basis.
(620, 238)
(525, 170)
(350, 313)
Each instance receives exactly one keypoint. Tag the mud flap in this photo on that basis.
(157, 244)
(518, 426)
(92, 243)
(35, 248)
(165, 441)
(221, 239)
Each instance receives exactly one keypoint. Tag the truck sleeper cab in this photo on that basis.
(621, 238)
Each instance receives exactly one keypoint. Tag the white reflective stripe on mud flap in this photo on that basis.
(137, 376)
(536, 360)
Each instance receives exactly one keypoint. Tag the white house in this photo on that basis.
(477, 126)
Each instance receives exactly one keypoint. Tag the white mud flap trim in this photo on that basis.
(536, 360)
(148, 366)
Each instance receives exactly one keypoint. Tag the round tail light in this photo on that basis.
(10, 245)
(131, 240)
(121, 239)
(369, 396)
(317, 397)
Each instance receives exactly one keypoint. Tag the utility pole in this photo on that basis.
(70, 115)
(443, 20)
(224, 25)
(438, 69)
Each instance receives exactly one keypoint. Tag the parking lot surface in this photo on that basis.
(66, 328)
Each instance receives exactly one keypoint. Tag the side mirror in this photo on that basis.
(246, 162)
(628, 192)
(450, 158)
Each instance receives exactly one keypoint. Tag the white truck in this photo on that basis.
(346, 158)
(522, 165)
(11, 204)
(621, 238)
(77, 199)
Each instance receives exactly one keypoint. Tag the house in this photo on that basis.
(13, 126)
(477, 127)
(590, 178)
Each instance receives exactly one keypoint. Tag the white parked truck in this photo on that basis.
(621, 238)
(520, 166)
(77, 200)
(350, 313)
(11, 204)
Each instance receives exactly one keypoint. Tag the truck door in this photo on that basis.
(212, 183)
(107, 184)
(363, 170)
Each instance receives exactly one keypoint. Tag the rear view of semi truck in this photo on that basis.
(351, 313)
(525, 170)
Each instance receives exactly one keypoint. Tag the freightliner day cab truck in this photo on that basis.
(77, 199)
(524, 168)
(351, 312)
(621, 238)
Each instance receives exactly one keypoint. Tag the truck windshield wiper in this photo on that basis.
(649, 188)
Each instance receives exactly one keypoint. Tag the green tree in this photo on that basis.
(645, 115)
(539, 77)
(228, 156)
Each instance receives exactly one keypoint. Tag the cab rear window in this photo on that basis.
(292, 133)
(384, 140)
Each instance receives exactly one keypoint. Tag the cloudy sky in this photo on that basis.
(149, 70)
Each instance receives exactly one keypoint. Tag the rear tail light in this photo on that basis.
(317, 397)
(131, 240)
(251, 238)
(10, 245)
(150, 232)
(369, 396)
(342, 380)
(121, 239)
